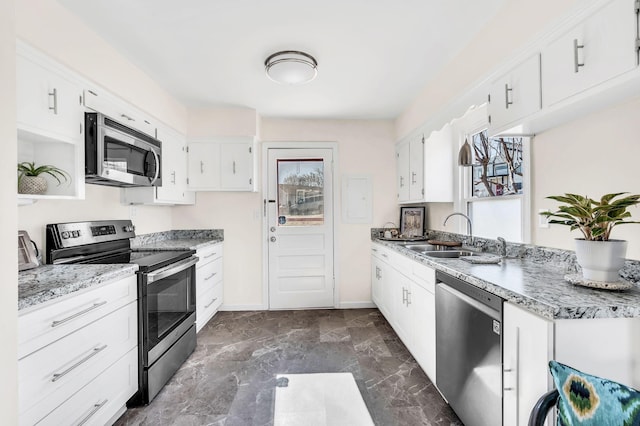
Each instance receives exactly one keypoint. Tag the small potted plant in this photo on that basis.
(600, 257)
(30, 180)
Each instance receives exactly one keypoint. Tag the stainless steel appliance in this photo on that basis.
(117, 155)
(469, 350)
(166, 293)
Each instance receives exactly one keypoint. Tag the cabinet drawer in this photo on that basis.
(100, 400)
(208, 275)
(51, 375)
(38, 328)
(424, 276)
(208, 304)
(208, 255)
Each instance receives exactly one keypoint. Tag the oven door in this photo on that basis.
(168, 305)
(127, 159)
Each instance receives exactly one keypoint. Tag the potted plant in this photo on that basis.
(599, 256)
(30, 180)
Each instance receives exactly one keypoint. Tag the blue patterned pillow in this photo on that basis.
(593, 401)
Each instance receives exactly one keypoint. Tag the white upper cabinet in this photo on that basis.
(49, 121)
(113, 107)
(48, 103)
(174, 174)
(600, 47)
(515, 94)
(410, 169)
(222, 164)
(439, 166)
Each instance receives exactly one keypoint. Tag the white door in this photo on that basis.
(300, 228)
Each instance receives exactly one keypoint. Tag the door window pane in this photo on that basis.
(301, 192)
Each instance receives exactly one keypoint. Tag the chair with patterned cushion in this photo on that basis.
(583, 399)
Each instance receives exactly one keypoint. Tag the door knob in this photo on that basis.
(272, 239)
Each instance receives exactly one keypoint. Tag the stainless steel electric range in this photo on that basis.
(166, 293)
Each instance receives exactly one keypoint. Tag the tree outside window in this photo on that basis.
(497, 167)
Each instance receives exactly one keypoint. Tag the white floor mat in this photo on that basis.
(321, 399)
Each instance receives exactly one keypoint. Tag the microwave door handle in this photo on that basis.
(155, 177)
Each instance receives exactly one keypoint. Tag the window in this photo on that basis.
(495, 189)
(300, 192)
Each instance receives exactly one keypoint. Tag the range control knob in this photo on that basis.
(64, 235)
(129, 228)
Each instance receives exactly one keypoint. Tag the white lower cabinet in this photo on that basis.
(527, 348)
(406, 298)
(85, 365)
(209, 284)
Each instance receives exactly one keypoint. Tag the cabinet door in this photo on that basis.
(416, 168)
(204, 166)
(236, 166)
(376, 282)
(48, 103)
(424, 329)
(115, 108)
(516, 94)
(402, 163)
(403, 307)
(174, 169)
(599, 48)
(439, 166)
(527, 349)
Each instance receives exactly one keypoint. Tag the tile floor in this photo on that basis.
(230, 379)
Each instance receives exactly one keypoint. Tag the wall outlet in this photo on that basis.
(543, 222)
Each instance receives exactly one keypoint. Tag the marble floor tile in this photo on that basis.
(230, 379)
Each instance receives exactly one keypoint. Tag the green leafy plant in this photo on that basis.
(595, 219)
(29, 169)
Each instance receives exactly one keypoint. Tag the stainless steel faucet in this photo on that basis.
(469, 225)
(503, 247)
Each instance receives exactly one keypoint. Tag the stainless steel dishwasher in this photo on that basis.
(469, 350)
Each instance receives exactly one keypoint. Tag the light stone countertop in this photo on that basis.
(48, 282)
(178, 240)
(536, 286)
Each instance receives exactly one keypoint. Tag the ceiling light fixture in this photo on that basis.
(291, 67)
(465, 157)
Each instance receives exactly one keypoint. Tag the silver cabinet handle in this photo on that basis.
(201, 166)
(54, 108)
(384, 255)
(127, 117)
(507, 90)
(413, 177)
(234, 167)
(210, 303)
(77, 314)
(374, 249)
(94, 352)
(576, 60)
(401, 181)
(209, 255)
(173, 177)
(408, 298)
(404, 295)
(93, 411)
(211, 276)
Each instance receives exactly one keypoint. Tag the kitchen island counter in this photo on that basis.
(535, 285)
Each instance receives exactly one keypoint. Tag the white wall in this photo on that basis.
(594, 155)
(8, 219)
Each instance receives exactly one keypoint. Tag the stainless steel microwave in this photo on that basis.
(117, 155)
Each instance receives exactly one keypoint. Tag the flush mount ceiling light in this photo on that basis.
(291, 67)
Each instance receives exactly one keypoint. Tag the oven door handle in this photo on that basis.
(171, 269)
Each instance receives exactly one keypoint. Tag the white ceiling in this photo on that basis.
(374, 56)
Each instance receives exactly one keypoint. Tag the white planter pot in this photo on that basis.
(601, 260)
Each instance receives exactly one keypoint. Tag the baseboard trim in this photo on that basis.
(356, 305)
(243, 308)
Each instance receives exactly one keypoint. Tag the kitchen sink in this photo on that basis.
(421, 247)
(449, 254)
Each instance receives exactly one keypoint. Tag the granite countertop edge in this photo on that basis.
(186, 239)
(46, 283)
(600, 306)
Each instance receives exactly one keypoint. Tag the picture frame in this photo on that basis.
(27, 257)
(412, 221)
